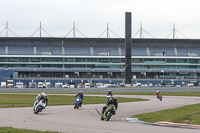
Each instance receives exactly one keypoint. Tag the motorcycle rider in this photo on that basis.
(157, 93)
(110, 100)
(109, 93)
(39, 98)
(81, 95)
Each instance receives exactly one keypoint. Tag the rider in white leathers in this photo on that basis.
(39, 98)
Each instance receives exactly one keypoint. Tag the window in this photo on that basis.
(78, 60)
(192, 61)
(45, 65)
(70, 60)
(103, 60)
(12, 59)
(115, 60)
(123, 60)
(14, 65)
(33, 66)
(179, 67)
(171, 60)
(2, 59)
(56, 59)
(91, 60)
(69, 66)
(137, 60)
(57, 66)
(79, 66)
(101, 66)
(83, 59)
(46, 59)
(159, 66)
(181, 61)
(91, 66)
(24, 59)
(195, 67)
(35, 59)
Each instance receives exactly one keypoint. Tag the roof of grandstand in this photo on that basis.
(97, 46)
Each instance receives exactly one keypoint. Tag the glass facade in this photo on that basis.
(96, 62)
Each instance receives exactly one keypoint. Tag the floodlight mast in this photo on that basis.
(6, 29)
(40, 29)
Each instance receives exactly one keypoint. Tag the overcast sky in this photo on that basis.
(91, 17)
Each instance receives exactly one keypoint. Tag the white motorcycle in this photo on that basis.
(40, 106)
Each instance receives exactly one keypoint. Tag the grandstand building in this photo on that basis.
(99, 58)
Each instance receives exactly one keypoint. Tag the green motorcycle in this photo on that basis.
(111, 110)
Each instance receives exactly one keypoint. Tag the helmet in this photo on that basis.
(157, 91)
(109, 92)
(80, 92)
(44, 95)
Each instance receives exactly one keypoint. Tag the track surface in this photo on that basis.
(86, 119)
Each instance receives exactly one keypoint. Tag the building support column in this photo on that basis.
(128, 43)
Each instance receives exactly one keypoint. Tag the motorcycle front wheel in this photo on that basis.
(36, 110)
(160, 98)
(108, 117)
(75, 106)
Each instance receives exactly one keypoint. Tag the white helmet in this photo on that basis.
(157, 91)
(44, 95)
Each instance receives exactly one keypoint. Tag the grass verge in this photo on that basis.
(189, 114)
(26, 100)
(16, 130)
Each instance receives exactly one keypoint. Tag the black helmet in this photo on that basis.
(109, 92)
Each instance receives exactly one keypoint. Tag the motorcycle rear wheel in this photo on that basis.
(102, 118)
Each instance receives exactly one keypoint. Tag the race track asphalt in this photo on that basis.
(87, 120)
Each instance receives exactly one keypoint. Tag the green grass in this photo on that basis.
(15, 130)
(26, 100)
(187, 114)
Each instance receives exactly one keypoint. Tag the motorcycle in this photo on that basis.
(77, 103)
(109, 111)
(159, 96)
(40, 106)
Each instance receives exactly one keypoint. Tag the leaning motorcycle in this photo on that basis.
(159, 97)
(111, 110)
(40, 106)
(77, 103)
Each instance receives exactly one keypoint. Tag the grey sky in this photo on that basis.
(91, 17)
